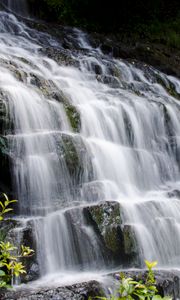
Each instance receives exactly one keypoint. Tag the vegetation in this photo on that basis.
(153, 20)
(130, 289)
(10, 265)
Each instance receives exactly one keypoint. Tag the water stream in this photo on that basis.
(128, 148)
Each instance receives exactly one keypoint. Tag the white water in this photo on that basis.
(129, 131)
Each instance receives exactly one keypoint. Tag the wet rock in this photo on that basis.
(155, 54)
(118, 239)
(73, 116)
(167, 284)
(174, 194)
(6, 185)
(5, 122)
(81, 291)
(6, 226)
(60, 56)
(130, 244)
(77, 159)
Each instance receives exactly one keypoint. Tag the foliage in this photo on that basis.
(130, 289)
(10, 264)
(166, 32)
(108, 16)
(5, 206)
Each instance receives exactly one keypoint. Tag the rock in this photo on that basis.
(118, 239)
(130, 245)
(73, 116)
(155, 54)
(76, 156)
(6, 185)
(167, 284)
(81, 291)
(6, 226)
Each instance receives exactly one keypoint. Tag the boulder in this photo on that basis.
(118, 239)
(167, 284)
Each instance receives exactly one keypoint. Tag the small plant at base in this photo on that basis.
(130, 289)
(10, 265)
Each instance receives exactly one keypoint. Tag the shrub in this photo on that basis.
(130, 289)
(10, 264)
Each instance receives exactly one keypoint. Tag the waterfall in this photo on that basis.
(19, 7)
(118, 122)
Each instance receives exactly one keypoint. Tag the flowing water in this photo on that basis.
(19, 7)
(128, 148)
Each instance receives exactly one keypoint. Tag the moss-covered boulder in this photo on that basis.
(106, 219)
(73, 116)
(130, 245)
(73, 150)
(118, 239)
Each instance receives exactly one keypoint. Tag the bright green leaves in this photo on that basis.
(150, 265)
(4, 206)
(10, 256)
(15, 268)
(130, 289)
(26, 251)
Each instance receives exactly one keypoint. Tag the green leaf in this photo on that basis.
(150, 265)
(7, 210)
(2, 273)
(2, 205)
(12, 201)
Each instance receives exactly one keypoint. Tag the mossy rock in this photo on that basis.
(168, 86)
(106, 219)
(76, 156)
(73, 116)
(71, 156)
(119, 239)
(130, 243)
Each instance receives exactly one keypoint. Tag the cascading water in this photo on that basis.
(19, 7)
(127, 148)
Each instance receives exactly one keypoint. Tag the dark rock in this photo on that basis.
(6, 226)
(167, 284)
(118, 239)
(155, 54)
(76, 156)
(6, 185)
(80, 291)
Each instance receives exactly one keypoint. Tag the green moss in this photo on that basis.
(111, 238)
(73, 116)
(98, 214)
(130, 244)
(108, 220)
(71, 155)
